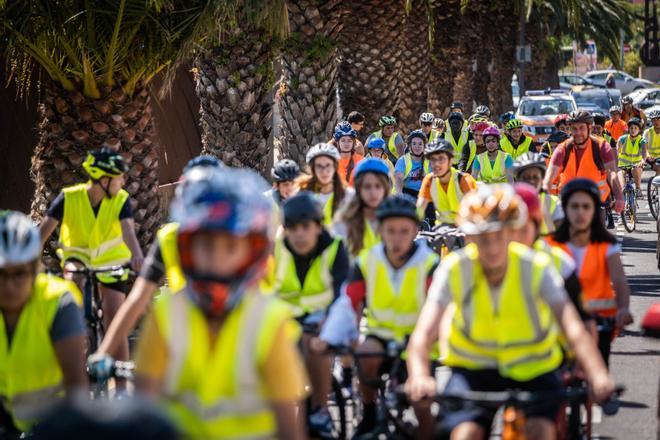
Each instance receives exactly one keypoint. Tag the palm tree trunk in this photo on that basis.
(445, 44)
(416, 66)
(308, 102)
(370, 71)
(543, 72)
(233, 82)
(71, 125)
(502, 46)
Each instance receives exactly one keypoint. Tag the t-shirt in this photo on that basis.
(616, 129)
(342, 168)
(606, 154)
(508, 163)
(466, 182)
(414, 180)
(153, 268)
(578, 252)
(56, 209)
(283, 376)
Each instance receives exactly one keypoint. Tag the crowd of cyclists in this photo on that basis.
(245, 293)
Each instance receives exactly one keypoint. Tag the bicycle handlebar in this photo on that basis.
(110, 270)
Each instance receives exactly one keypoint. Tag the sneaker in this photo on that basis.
(320, 424)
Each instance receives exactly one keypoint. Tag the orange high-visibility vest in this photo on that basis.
(587, 168)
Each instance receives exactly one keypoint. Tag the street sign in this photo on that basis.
(524, 54)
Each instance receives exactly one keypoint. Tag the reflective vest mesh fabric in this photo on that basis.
(495, 173)
(446, 202)
(521, 149)
(632, 152)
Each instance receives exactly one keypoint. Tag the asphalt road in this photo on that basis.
(635, 360)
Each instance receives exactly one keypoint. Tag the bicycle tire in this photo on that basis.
(628, 216)
(342, 424)
(653, 198)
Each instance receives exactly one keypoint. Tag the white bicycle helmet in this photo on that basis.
(20, 241)
(322, 149)
(426, 118)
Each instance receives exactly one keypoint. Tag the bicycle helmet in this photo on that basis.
(654, 114)
(343, 126)
(483, 110)
(599, 119)
(439, 123)
(580, 184)
(426, 118)
(416, 134)
(513, 124)
(300, 208)
(476, 118)
(626, 100)
(20, 241)
(635, 121)
(491, 131)
(480, 126)
(400, 205)
(344, 130)
(322, 149)
(558, 137)
(285, 170)
(528, 160)
(386, 120)
(203, 160)
(506, 117)
(561, 119)
(104, 162)
(455, 105)
(456, 115)
(438, 146)
(371, 165)
(580, 116)
(615, 109)
(530, 196)
(491, 208)
(376, 143)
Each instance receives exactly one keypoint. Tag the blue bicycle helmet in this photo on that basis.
(203, 160)
(376, 143)
(344, 130)
(371, 165)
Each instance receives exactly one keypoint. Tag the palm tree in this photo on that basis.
(372, 58)
(96, 62)
(501, 32)
(234, 79)
(308, 103)
(446, 36)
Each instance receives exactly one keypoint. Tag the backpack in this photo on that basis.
(595, 152)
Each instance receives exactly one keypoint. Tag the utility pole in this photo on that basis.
(521, 43)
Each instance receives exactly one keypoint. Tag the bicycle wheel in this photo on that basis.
(337, 396)
(653, 198)
(629, 214)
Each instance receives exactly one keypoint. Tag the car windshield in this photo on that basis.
(603, 101)
(546, 107)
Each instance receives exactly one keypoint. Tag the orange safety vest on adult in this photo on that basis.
(594, 275)
(587, 167)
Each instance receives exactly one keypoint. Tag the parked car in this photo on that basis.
(539, 108)
(599, 97)
(645, 98)
(589, 107)
(624, 82)
(576, 81)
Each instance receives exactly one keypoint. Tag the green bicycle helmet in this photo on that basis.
(513, 124)
(386, 120)
(104, 162)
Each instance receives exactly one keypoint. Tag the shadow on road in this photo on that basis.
(633, 405)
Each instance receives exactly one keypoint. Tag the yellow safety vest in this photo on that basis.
(473, 154)
(391, 143)
(517, 335)
(316, 292)
(458, 145)
(169, 250)
(94, 240)
(30, 374)
(408, 165)
(507, 146)
(548, 207)
(392, 307)
(446, 202)
(494, 173)
(632, 152)
(652, 142)
(371, 237)
(327, 210)
(433, 135)
(215, 391)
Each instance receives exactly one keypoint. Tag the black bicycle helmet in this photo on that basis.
(599, 119)
(400, 205)
(439, 145)
(417, 134)
(580, 184)
(528, 160)
(580, 116)
(203, 160)
(301, 208)
(558, 137)
(285, 170)
(635, 121)
(105, 162)
(506, 117)
(455, 105)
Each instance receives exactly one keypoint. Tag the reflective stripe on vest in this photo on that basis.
(30, 374)
(492, 173)
(327, 210)
(517, 334)
(458, 146)
(652, 142)
(433, 135)
(548, 207)
(391, 143)
(594, 275)
(632, 152)
(230, 402)
(446, 202)
(408, 165)
(95, 240)
(587, 169)
(394, 298)
(169, 251)
(316, 292)
(521, 149)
